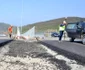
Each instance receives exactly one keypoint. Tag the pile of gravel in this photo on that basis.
(27, 63)
(22, 49)
(20, 55)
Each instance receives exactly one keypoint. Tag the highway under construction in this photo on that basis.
(42, 54)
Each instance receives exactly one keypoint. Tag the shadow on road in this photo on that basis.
(80, 42)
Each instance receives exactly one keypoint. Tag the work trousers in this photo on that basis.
(61, 35)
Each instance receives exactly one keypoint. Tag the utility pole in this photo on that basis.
(21, 14)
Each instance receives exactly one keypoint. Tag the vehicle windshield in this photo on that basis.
(71, 26)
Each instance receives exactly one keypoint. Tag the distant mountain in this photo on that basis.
(3, 27)
(51, 24)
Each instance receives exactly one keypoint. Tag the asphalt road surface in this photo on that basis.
(4, 41)
(74, 50)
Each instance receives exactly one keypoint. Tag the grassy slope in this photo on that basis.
(51, 24)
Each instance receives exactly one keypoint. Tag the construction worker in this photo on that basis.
(62, 29)
(10, 29)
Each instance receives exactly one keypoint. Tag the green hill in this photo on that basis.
(51, 24)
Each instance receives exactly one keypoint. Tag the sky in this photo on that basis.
(24, 12)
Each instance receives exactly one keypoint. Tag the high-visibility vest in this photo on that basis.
(10, 29)
(62, 28)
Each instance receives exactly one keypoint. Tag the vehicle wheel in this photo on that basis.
(72, 39)
(83, 40)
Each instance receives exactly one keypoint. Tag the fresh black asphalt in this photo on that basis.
(73, 50)
(5, 41)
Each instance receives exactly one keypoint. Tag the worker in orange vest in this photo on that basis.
(10, 29)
